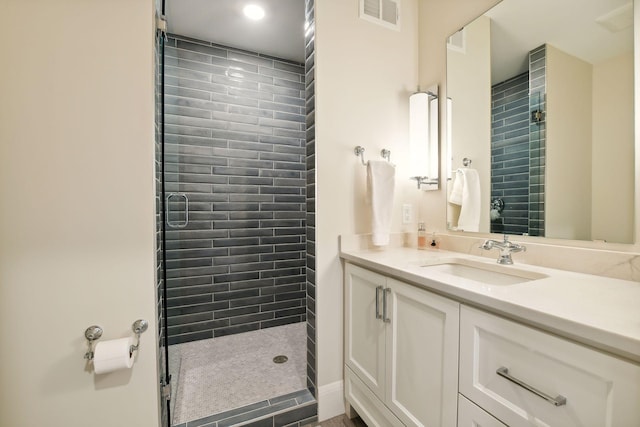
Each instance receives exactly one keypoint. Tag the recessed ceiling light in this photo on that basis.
(253, 11)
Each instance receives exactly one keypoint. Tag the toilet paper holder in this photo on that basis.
(93, 333)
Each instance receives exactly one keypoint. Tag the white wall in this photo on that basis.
(364, 76)
(612, 170)
(636, 119)
(77, 209)
(568, 146)
(471, 106)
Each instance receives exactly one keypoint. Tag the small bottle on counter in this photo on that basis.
(422, 236)
(435, 242)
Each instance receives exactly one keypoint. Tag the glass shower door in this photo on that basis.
(161, 291)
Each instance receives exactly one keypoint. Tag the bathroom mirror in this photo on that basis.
(540, 100)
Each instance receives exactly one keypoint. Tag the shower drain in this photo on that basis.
(280, 359)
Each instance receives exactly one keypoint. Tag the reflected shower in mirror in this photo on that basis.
(541, 98)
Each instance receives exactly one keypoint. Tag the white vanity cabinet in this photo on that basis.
(525, 377)
(401, 352)
(414, 358)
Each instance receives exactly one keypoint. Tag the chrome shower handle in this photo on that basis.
(184, 223)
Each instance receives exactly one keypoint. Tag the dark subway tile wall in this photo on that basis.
(158, 222)
(235, 146)
(537, 138)
(310, 231)
(510, 153)
(518, 149)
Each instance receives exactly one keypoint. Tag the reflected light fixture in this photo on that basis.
(423, 138)
(253, 11)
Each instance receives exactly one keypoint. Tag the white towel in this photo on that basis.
(466, 193)
(381, 176)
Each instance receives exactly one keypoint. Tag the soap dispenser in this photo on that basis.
(422, 236)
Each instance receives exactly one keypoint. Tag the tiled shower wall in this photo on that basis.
(311, 194)
(510, 153)
(518, 149)
(537, 139)
(235, 146)
(158, 223)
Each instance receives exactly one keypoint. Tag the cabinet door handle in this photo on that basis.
(378, 289)
(385, 319)
(556, 401)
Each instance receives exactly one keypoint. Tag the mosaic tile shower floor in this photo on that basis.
(225, 373)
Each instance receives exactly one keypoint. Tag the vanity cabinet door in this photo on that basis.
(526, 377)
(422, 356)
(364, 327)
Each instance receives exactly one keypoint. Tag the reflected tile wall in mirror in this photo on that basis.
(518, 149)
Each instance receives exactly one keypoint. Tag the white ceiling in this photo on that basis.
(279, 34)
(519, 26)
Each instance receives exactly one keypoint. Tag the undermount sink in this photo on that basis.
(484, 273)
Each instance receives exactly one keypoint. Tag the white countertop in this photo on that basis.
(598, 311)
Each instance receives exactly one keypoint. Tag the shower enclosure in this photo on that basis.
(236, 307)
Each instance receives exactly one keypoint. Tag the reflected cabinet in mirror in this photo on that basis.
(540, 99)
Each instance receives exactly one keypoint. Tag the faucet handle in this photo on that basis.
(517, 247)
(488, 244)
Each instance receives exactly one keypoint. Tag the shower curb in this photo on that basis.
(288, 410)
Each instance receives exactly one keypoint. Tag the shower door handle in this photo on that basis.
(179, 224)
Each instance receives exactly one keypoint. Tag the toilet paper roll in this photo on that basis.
(113, 355)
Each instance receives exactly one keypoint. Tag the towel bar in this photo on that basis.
(359, 151)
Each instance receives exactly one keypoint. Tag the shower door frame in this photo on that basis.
(165, 376)
(311, 363)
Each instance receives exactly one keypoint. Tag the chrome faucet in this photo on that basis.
(506, 249)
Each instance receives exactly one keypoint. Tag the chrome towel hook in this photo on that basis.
(359, 151)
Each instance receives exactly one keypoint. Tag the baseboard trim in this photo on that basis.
(330, 400)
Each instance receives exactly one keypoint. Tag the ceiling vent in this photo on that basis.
(618, 19)
(381, 12)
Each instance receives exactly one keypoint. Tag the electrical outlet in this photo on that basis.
(407, 214)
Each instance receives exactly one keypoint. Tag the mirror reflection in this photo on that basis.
(540, 99)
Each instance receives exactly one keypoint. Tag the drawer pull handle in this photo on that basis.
(556, 401)
(378, 289)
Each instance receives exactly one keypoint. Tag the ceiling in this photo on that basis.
(279, 34)
(518, 26)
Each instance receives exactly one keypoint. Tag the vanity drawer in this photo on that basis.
(471, 415)
(600, 390)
